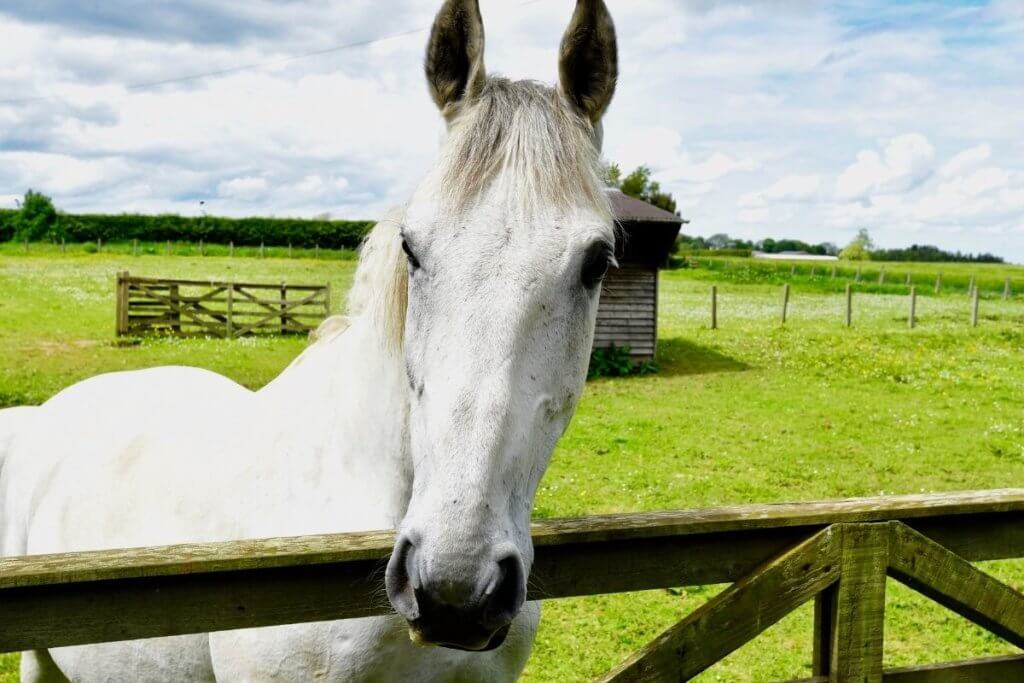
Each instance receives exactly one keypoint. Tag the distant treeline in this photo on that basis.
(929, 254)
(722, 242)
(327, 234)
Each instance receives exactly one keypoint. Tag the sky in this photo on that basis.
(765, 118)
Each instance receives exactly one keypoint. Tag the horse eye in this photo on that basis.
(413, 261)
(595, 265)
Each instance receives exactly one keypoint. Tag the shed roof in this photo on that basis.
(631, 209)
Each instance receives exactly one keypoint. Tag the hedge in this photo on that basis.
(328, 234)
(741, 253)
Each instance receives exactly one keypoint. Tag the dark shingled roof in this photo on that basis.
(631, 209)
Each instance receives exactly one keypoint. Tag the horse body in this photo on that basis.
(434, 413)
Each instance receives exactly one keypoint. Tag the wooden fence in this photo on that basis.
(219, 309)
(777, 557)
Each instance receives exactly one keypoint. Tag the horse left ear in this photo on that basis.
(589, 59)
(455, 55)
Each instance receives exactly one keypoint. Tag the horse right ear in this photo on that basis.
(455, 55)
(589, 59)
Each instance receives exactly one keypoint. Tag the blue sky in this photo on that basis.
(783, 118)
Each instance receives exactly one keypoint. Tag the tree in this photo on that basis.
(859, 249)
(639, 184)
(36, 219)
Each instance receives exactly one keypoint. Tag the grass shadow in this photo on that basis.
(681, 357)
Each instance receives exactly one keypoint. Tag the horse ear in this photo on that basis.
(589, 66)
(455, 55)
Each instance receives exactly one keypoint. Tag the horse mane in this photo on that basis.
(524, 133)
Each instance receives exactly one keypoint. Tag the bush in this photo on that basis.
(616, 361)
(37, 219)
(7, 218)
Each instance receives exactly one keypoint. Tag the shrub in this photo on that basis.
(37, 219)
(616, 361)
(7, 218)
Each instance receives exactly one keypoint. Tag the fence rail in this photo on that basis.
(779, 556)
(220, 309)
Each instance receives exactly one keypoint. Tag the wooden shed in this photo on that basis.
(628, 314)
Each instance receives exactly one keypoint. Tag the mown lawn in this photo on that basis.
(753, 412)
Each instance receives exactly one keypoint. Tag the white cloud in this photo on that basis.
(966, 159)
(790, 188)
(904, 160)
(243, 188)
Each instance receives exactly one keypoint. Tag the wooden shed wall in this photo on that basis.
(628, 312)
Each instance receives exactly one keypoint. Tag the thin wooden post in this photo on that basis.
(912, 320)
(833, 272)
(860, 604)
(327, 300)
(122, 303)
(849, 304)
(972, 286)
(938, 283)
(785, 302)
(316, 251)
(974, 308)
(1007, 291)
(263, 250)
(824, 631)
(714, 307)
(857, 278)
(99, 245)
(881, 276)
(26, 245)
(230, 317)
(814, 270)
(175, 296)
(135, 247)
(231, 249)
(284, 308)
(63, 246)
(168, 248)
(289, 250)
(792, 271)
(909, 280)
(202, 252)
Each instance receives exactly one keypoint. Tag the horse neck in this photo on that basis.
(344, 401)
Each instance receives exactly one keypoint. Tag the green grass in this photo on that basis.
(752, 412)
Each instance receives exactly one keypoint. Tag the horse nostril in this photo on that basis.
(402, 579)
(505, 595)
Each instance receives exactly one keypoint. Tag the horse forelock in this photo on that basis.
(380, 289)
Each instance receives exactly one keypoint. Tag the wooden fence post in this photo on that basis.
(135, 247)
(231, 249)
(714, 307)
(860, 604)
(99, 245)
(63, 246)
(849, 304)
(316, 251)
(911, 321)
(174, 294)
(284, 308)
(26, 245)
(973, 285)
(289, 250)
(168, 247)
(881, 276)
(1007, 291)
(122, 303)
(792, 271)
(202, 252)
(785, 302)
(857, 278)
(974, 308)
(938, 283)
(230, 316)
(833, 272)
(909, 280)
(263, 250)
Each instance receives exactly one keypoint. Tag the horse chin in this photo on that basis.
(496, 640)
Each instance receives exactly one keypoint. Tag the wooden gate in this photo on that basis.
(218, 309)
(778, 556)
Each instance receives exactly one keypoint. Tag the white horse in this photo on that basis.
(434, 413)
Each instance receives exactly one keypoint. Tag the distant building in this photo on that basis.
(628, 314)
(793, 256)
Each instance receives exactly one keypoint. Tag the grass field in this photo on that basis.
(752, 412)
